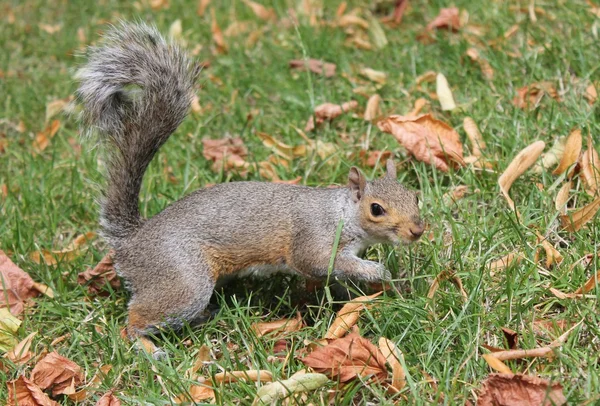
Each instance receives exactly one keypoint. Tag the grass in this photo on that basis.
(51, 195)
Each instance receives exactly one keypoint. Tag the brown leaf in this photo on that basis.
(57, 106)
(393, 357)
(428, 139)
(562, 197)
(531, 95)
(505, 261)
(348, 357)
(371, 158)
(496, 364)
(591, 94)
(474, 135)
(571, 154)
(96, 279)
(349, 20)
(348, 316)
(228, 153)
(517, 167)
(314, 65)
(327, 112)
(42, 139)
(448, 18)
(373, 112)
(278, 326)
(455, 195)
(108, 399)
(374, 75)
(16, 286)
(426, 77)
(58, 373)
(484, 65)
(512, 390)
(72, 251)
(419, 104)
(447, 275)
(202, 5)
(217, 34)
(590, 167)
(196, 393)
(23, 392)
(589, 285)
(50, 28)
(552, 254)
(399, 10)
(20, 354)
(573, 221)
(260, 11)
(250, 375)
(551, 157)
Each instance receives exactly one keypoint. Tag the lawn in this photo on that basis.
(50, 180)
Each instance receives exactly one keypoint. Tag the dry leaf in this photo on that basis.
(552, 157)
(327, 112)
(426, 77)
(348, 316)
(20, 354)
(571, 153)
(590, 168)
(512, 390)
(474, 135)
(562, 197)
(346, 358)
(202, 5)
(250, 375)
(419, 104)
(108, 399)
(447, 275)
(573, 221)
(517, 167)
(42, 139)
(228, 153)
(349, 20)
(591, 94)
(530, 96)
(50, 28)
(376, 33)
(372, 158)
(484, 65)
(56, 106)
(9, 325)
(196, 393)
(444, 93)
(297, 383)
(455, 195)
(314, 65)
(505, 261)
(217, 34)
(552, 254)
(428, 139)
(373, 112)
(58, 373)
(23, 392)
(399, 10)
(72, 251)
(589, 285)
(448, 18)
(374, 75)
(103, 274)
(496, 364)
(260, 11)
(278, 326)
(16, 286)
(393, 357)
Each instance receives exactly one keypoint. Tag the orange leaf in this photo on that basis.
(484, 65)
(589, 285)
(590, 167)
(279, 326)
(474, 135)
(217, 34)
(571, 154)
(329, 111)
(447, 275)
(197, 393)
(348, 316)
(393, 357)
(16, 286)
(71, 252)
(428, 139)
(108, 399)
(250, 375)
(373, 112)
(511, 389)
(371, 158)
(591, 94)
(20, 354)
(347, 358)
(314, 65)
(505, 261)
(103, 273)
(260, 11)
(448, 18)
(530, 96)
(577, 219)
(57, 372)
(23, 392)
(228, 153)
(562, 197)
(496, 364)
(42, 139)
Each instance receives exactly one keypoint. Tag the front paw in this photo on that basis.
(383, 273)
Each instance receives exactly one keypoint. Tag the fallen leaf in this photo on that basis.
(552, 157)
(540, 352)
(393, 357)
(444, 93)
(196, 393)
(94, 383)
(20, 354)
(50, 28)
(517, 167)
(9, 325)
(589, 285)
(103, 274)
(58, 373)
(496, 364)
(348, 316)
(16, 286)
(202, 358)
(426, 77)
(297, 383)
(278, 326)
(202, 5)
(428, 139)
(455, 195)
(552, 254)
(590, 168)
(474, 135)
(108, 399)
(228, 153)
(573, 221)
(511, 389)
(327, 112)
(419, 104)
(591, 94)
(376, 33)
(217, 34)
(349, 20)
(531, 95)
(346, 358)
(374, 75)
(452, 277)
(571, 153)
(314, 65)
(250, 375)
(23, 392)
(72, 251)
(372, 158)
(176, 30)
(42, 139)
(373, 112)
(448, 18)
(505, 261)
(484, 65)
(57, 106)
(260, 11)
(399, 10)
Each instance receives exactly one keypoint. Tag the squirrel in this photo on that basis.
(135, 90)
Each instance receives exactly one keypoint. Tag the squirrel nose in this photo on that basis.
(417, 230)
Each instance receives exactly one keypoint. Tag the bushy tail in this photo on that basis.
(135, 89)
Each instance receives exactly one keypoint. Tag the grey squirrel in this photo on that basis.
(136, 89)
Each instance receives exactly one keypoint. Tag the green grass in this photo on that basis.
(51, 196)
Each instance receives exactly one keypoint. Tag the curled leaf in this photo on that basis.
(496, 364)
(474, 135)
(23, 392)
(393, 357)
(571, 153)
(448, 18)
(58, 373)
(510, 389)
(590, 168)
(575, 220)
(327, 112)
(373, 112)
(278, 326)
(348, 316)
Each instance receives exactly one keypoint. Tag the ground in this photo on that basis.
(49, 194)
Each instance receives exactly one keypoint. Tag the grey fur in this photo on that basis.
(173, 260)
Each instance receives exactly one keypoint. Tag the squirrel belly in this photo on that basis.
(135, 90)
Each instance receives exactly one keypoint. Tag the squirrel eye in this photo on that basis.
(377, 210)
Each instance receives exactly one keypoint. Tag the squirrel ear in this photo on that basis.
(356, 183)
(391, 169)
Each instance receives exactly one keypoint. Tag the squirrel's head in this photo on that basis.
(388, 211)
